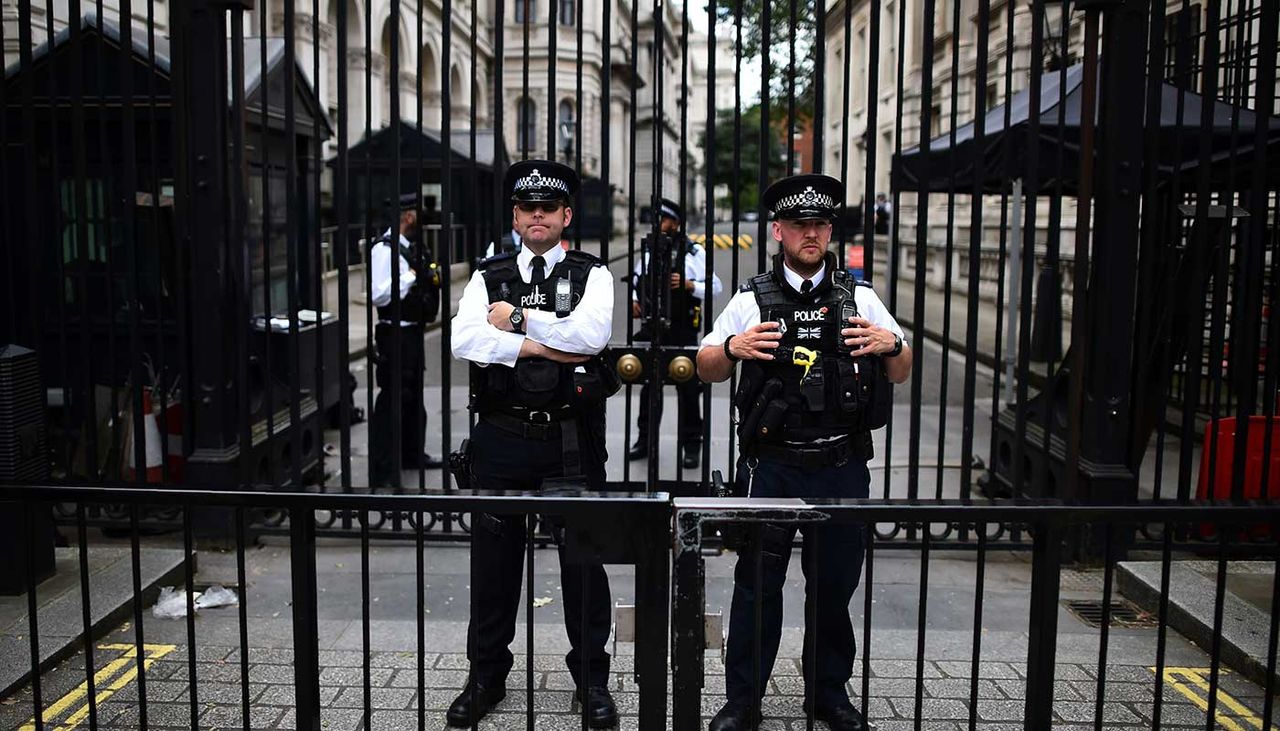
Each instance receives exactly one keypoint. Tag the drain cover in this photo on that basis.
(1122, 614)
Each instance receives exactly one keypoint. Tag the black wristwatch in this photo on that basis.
(897, 347)
(517, 319)
(727, 353)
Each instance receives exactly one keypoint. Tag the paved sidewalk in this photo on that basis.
(944, 675)
(60, 620)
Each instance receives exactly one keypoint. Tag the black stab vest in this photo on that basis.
(827, 393)
(534, 384)
(422, 302)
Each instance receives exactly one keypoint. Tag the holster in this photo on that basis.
(766, 413)
(460, 466)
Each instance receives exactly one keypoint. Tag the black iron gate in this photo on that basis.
(172, 238)
(1076, 275)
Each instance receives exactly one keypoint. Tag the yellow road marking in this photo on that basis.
(1196, 677)
(723, 241)
(103, 684)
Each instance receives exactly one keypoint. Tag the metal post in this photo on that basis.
(1112, 306)
(652, 613)
(200, 32)
(1046, 566)
(306, 649)
(686, 663)
(1015, 267)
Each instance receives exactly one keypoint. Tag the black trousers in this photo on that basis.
(688, 403)
(413, 415)
(504, 461)
(832, 565)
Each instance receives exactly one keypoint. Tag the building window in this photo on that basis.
(568, 12)
(525, 11)
(568, 127)
(526, 125)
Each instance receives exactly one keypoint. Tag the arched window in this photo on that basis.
(526, 9)
(567, 127)
(568, 12)
(526, 125)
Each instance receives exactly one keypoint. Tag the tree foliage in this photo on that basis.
(744, 181)
(781, 30)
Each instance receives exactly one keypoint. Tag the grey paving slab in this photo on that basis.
(380, 698)
(931, 708)
(260, 717)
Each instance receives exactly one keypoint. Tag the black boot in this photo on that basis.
(692, 455)
(601, 711)
(841, 717)
(735, 717)
(462, 712)
(639, 450)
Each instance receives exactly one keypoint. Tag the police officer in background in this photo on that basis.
(688, 281)
(419, 304)
(533, 324)
(883, 214)
(819, 353)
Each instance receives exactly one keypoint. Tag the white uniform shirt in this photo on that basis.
(695, 270)
(742, 312)
(380, 274)
(585, 331)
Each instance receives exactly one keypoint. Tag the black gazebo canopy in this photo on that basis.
(1004, 154)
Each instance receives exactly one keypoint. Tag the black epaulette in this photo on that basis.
(746, 287)
(496, 258)
(582, 258)
(862, 283)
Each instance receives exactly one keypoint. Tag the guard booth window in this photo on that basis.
(275, 252)
(93, 249)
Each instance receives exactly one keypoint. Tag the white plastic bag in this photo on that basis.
(171, 604)
(217, 596)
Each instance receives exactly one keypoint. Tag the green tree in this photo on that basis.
(781, 31)
(744, 182)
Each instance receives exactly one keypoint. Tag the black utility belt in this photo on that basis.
(538, 425)
(856, 447)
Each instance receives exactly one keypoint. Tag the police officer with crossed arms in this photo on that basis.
(819, 352)
(532, 323)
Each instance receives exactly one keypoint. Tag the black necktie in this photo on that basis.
(539, 266)
(807, 287)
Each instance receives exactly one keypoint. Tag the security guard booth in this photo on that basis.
(373, 190)
(95, 291)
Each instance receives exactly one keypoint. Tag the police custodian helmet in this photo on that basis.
(670, 209)
(804, 196)
(532, 181)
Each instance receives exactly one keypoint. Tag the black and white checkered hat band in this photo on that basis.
(669, 211)
(807, 199)
(538, 180)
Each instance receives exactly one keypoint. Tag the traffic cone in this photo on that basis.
(151, 437)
